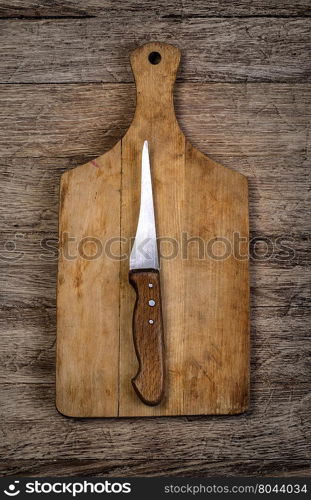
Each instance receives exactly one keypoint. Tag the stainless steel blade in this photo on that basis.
(144, 254)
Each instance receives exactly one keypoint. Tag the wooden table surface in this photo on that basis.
(242, 97)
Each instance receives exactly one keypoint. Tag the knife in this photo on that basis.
(144, 276)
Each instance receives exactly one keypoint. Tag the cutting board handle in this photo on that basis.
(155, 67)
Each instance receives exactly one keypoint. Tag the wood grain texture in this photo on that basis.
(148, 336)
(88, 290)
(98, 49)
(33, 337)
(161, 9)
(273, 206)
(279, 412)
(205, 302)
(32, 334)
(122, 468)
(280, 279)
(259, 129)
(227, 120)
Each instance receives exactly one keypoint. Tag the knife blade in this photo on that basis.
(144, 276)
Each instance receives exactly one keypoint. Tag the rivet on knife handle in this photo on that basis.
(145, 278)
(148, 336)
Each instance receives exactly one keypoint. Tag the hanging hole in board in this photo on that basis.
(154, 57)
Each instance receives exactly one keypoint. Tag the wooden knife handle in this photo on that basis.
(148, 336)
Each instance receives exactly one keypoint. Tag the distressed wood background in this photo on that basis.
(242, 97)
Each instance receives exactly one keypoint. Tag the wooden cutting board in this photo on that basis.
(201, 211)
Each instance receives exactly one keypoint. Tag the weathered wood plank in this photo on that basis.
(97, 49)
(30, 279)
(66, 119)
(28, 346)
(260, 129)
(277, 427)
(278, 189)
(37, 288)
(220, 119)
(158, 10)
(160, 467)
